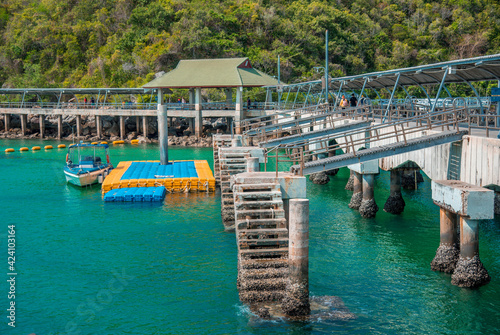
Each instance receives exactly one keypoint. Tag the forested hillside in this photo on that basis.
(123, 43)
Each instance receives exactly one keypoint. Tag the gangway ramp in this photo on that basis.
(314, 134)
(381, 151)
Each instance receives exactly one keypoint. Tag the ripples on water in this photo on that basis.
(183, 264)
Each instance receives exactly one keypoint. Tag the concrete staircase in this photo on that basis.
(219, 141)
(262, 239)
(230, 163)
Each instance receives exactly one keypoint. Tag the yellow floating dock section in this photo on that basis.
(176, 176)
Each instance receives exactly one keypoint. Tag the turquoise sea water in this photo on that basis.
(89, 267)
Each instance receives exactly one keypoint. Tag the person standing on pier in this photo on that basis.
(249, 103)
(353, 100)
(85, 102)
(343, 103)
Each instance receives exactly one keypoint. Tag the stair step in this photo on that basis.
(263, 263)
(262, 243)
(264, 273)
(270, 284)
(264, 252)
(261, 296)
(261, 214)
(255, 187)
(260, 204)
(261, 224)
(251, 196)
(250, 233)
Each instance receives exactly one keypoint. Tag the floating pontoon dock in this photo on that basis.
(176, 176)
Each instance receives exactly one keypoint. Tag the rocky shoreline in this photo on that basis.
(179, 133)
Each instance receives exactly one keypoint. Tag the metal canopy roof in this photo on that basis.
(469, 70)
(216, 73)
(58, 91)
(458, 71)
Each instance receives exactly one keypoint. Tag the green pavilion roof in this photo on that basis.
(223, 72)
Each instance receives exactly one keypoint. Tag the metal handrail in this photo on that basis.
(350, 141)
(296, 126)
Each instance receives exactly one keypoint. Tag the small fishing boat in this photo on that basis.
(84, 164)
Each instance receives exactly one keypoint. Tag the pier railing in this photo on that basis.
(78, 105)
(398, 130)
(264, 128)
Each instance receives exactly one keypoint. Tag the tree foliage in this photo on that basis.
(117, 43)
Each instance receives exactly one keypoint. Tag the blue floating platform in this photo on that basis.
(153, 170)
(136, 194)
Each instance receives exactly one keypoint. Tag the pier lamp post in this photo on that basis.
(324, 80)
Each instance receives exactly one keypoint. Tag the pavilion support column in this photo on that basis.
(238, 111)
(122, 127)
(7, 121)
(41, 120)
(357, 187)
(368, 208)
(78, 126)
(448, 252)
(138, 124)
(162, 129)
(98, 125)
(24, 121)
(191, 96)
(229, 97)
(145, 128)
(198, 119)
(395, 204)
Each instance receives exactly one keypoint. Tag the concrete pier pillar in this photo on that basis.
(469, 271)
(145, 128)
(410, 178)
(497, 203)
(138, 124)
(98, 125)
(296, 300)
(59, 127)
(357, 187)
(350, 181)
(122, 127)
(368, 207)
(78, 126)
(41, 120)
(24, 121)
(448, 251)
(395, 204)
(7, 121)
(253, 164)
(472, 204)
(236, 142)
